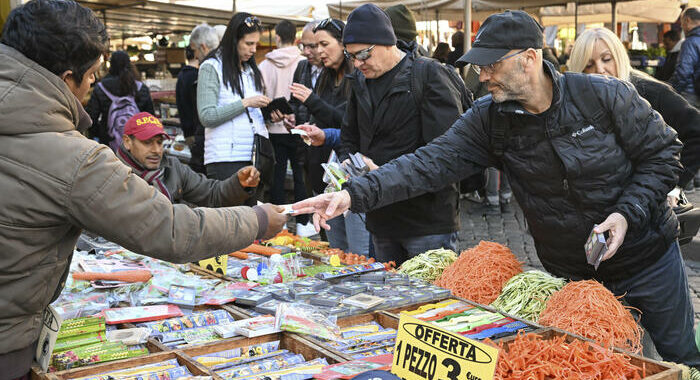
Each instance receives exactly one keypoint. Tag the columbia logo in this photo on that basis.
(581, 131)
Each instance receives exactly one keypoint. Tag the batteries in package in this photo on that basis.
(328, 300)
(311, 283)
(595, 247)
(349, 288)
(253, 299)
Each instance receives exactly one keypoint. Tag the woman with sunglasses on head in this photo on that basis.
(600, 51)
(327, 108)
(229, 98)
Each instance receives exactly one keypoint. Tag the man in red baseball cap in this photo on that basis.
(142, 150)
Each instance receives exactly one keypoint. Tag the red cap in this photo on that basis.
(143, 126)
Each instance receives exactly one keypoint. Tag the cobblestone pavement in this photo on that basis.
(510, 229)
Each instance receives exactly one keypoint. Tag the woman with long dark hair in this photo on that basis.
(119, 82)
(229, 98)
(327, 106)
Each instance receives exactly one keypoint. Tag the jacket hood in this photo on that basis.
(32, 99)
(284, 57)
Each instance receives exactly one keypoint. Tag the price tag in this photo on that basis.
(216, 264)
(425, 351)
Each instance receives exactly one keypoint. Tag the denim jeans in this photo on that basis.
(661, 293)
(349, 233)
(497, 187)
(287, 149)
(402, 249)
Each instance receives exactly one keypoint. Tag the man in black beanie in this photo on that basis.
(404, 25)
(386, 118)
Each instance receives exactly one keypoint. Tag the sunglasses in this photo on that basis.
(361, 55)
(329, 21)
(251, 21)
(489, 69)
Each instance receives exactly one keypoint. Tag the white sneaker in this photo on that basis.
(306, 230)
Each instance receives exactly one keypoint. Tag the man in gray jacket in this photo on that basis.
(55, 182)
(142, 150)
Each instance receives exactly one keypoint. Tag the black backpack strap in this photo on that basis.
(418, 78)
(500, 124)
(583, 95)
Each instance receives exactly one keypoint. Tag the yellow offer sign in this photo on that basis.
(215, 264)
(425, 351)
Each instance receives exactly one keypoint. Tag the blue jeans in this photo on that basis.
(349, 233)
(497, 187)
(661, 293)
(402, 249)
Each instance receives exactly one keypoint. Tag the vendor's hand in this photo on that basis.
(315, 134)
(248, 176)
(370, 164)
(616, 224)
(257, 101)
(324, 207)
(300, 92)
(189, 140)
(275, 219)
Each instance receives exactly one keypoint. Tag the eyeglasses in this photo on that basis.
(251, 21)
(329, 21)
(361, 55)
(489, 69)
(307, 46)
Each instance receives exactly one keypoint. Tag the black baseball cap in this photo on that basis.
(501, 33)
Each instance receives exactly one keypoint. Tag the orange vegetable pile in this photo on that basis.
(532, 357)
(480, 272)
(589, 309)
(261, 250)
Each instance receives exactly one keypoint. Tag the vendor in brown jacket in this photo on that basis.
(142, 150)
(54, 182)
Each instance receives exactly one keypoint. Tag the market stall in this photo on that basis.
(289, 305)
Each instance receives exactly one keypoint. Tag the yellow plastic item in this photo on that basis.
(335, 261)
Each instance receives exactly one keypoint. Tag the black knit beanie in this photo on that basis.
(369, 24)
(403, 22)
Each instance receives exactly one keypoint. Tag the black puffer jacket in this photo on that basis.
(678, 114)
(565, 174)
(394, 127)
(98, 106)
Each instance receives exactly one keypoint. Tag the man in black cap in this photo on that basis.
(385, 119)
(579, 151)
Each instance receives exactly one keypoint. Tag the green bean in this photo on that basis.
(428, 265)
(526, 294)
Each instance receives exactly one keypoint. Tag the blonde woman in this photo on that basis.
(599, 51)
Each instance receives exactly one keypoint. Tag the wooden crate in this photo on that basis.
(194, 367)
(396, 312)
(384, 319)
(655, 370)
(292, 342)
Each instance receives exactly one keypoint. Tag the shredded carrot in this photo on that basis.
(589, 309)
(480, 272)
(533, 357)
(261, 250)
(239, 255)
